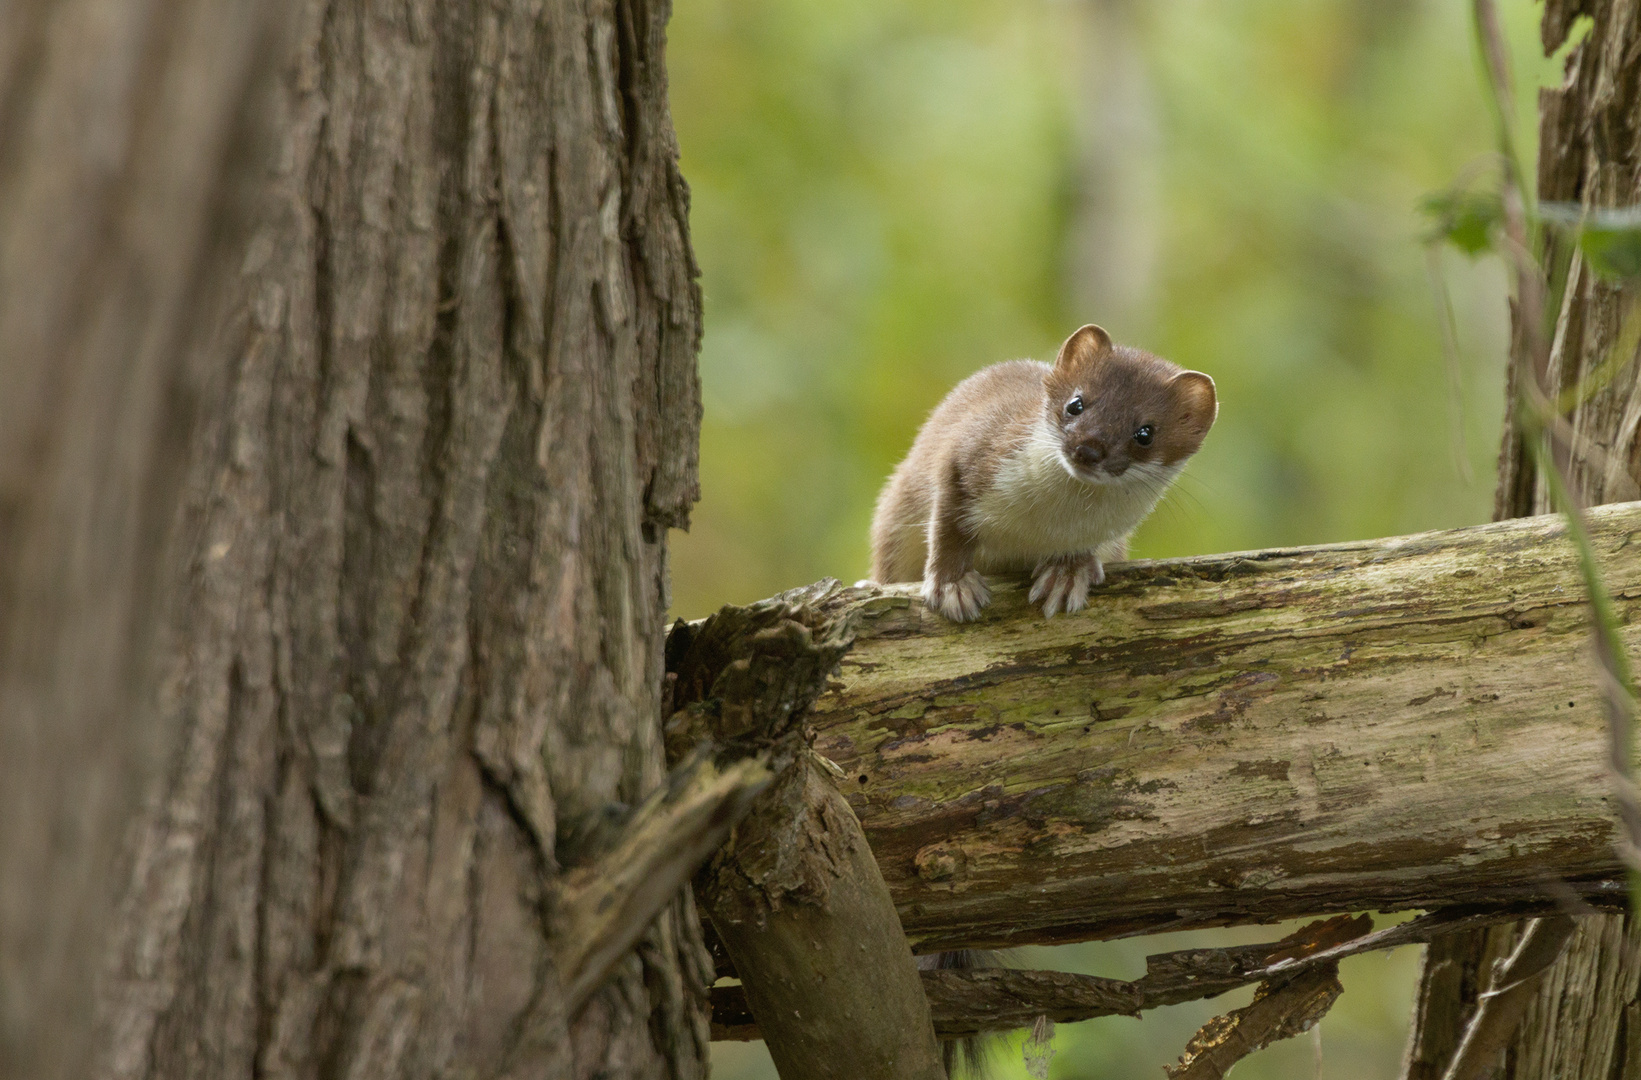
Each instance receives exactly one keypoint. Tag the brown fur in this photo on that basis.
(957, 453)
(1000, 477)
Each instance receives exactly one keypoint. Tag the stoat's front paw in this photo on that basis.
(1062, 582)
(960, 600)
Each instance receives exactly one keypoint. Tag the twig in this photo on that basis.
(1450, 352)
(1496, 54)
(1501, 1007)
(1279, 1010)
(1420, 931)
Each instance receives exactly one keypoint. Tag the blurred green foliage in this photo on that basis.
(884, 200)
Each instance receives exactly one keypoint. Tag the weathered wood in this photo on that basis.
(973, 1001)
(797, 900)
(1278, 1011)
(803, 911)
(600, 910)
(1398, 723)
(1499, 1011)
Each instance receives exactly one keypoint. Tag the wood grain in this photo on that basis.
(1401, 723)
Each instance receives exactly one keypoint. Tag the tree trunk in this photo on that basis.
(349, 394)
(1585, 1021)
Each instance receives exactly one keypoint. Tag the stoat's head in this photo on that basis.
(1118, 408)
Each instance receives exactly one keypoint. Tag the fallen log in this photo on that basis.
(1402, 723)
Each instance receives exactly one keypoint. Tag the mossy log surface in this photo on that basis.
(1391, 724)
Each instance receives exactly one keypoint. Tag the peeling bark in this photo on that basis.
(390, 627)
(600, 910)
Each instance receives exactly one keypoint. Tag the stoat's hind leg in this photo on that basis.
(1061, 582)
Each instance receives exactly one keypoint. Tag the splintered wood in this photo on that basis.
(1278, 1011)
(1284, 1005)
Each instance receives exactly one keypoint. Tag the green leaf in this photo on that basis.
(1465, 219)
(1609, 237)
(1612, 253)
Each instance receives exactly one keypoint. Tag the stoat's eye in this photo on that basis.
(1074, 406)
(1143, 435)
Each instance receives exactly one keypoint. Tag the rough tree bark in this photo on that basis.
(118, 144)
(334, 486)
(1585, 1022)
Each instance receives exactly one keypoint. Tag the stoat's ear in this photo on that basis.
(1195, 404)
(1083, 348)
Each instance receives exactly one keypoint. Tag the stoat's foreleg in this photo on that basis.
(1061, 582)
(951, 585)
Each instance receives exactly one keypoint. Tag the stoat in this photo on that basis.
(1028, 466)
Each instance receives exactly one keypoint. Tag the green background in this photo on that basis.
(890, 194)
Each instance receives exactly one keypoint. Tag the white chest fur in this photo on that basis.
(1036, 507)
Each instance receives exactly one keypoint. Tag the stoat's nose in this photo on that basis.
(1090, 453)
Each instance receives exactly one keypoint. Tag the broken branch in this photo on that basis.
(602, 909)
(1280, 1010)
